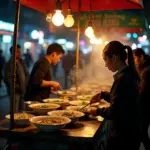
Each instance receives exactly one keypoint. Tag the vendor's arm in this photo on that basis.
(108, 112)
(123, 102)
(50, 83)
(38, 78)
(105, 95)
(99, 96)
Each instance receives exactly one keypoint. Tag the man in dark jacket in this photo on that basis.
(40, 81)
(21, 78)
(142, 62)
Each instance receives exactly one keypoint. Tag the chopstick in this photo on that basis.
(84, 106)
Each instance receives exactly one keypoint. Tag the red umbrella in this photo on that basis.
(49, 5)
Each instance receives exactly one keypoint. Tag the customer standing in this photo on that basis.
(2, 64)
(123, 113)
(142, 62)
(21, 79)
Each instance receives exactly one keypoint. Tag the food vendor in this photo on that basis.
(40, 81)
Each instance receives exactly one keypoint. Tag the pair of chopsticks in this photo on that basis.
(84, 106)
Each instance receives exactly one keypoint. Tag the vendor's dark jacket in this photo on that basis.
(124, 110)
(41, 71)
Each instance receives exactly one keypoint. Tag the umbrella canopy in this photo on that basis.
(46, 6)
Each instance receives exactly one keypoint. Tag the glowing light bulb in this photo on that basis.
(58, 18)
(89, 32)
(69, 21)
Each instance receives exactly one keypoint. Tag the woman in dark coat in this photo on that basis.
(142, 62)
(123, 97)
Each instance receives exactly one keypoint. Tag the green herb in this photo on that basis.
(44, 106)
(84, 103)
(66, 114)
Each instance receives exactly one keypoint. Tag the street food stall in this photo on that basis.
(62, 120)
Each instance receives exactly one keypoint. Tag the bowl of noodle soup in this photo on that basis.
(49, 123)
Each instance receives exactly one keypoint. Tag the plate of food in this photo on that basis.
(72, 114)
(78, 108)
(43, 108)
(73, 88)
(27, 103)
(81, 102)
(20, 118)
(32, 102)
(84, 97)
(78, 102)
(59, 101)
(66, 93)
(49, 123)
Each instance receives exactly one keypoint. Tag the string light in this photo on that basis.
(58, 18)
(89, 32)
(69, 20)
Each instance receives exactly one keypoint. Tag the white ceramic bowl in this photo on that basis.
(48, 126)
(72, 114)
(85, 97)
(82, 103)
(59, 101)
(27, 103)
(21, 118)
(66, 93)
(78, 102)
(77, 108)
(43, 108)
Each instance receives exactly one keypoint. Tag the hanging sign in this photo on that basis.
(111, 19)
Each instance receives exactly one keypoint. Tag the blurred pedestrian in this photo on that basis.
(142, 62)
(2, 64)
(28, 58)
(21, 79)
(67, 64)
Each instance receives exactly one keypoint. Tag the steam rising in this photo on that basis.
(96, 72)
(93, 73)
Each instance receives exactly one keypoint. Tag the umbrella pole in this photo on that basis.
(78, 45)
(15, 36)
